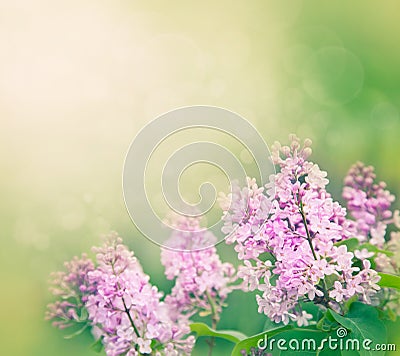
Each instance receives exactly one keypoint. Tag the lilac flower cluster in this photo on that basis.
(202, 281)
(392, 264)
(128, 308)
(289, 235)
(124, 309)
(369, 204)
(296, 243)
(73, 287)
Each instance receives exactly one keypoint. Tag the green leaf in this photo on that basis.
(327, 322)
(363, 323)
(349, 302)
(329, 316)
(252, 341)
(311, 308)
(84, 314)
(330, 280)
(387, 314)
(270, 324)
(76, 333)
(287, 341)
(391, 314)
(267, 256)
(97, 346)
(373, 248)
(389, 280)
(202, 329)
(351, 243)
(300, 342)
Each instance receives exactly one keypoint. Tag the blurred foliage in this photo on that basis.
(80, 78)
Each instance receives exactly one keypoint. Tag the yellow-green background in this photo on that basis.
(78, 79)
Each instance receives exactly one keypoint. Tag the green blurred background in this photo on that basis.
(78, 79)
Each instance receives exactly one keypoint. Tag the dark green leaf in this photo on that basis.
(97, 346)
(269, 324)
(387, 314)
(363, 323)
(202, 329)
(375, 249)
(302, 342)
(294, 341)
(349, 302)
(327, 323)
(76, 333)
(252, 341)
(330, 280)
(84, 314)
(312, 309)
(351, 243)
(389, 280)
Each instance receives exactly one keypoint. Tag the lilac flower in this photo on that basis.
(290, 236)
(303, 318)
(383, 262)
(363, 254)
(338, 293)
(202, 281)
(248, 210)
(369, 203)
(127, 308)
(251, 275)
(294, 224)
(393, 246)
(73, 288)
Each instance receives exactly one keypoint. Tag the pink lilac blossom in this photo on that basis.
(202, 281)
(128, 309)
(73, 288)
(391, 265)
(363, 254)
(368, 203)
(294, 223)
(393, 246)
(248, 210)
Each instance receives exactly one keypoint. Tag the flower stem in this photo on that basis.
(130, 318)
(303, 217)
(309, 239)
(214, 322)
(127, 311)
